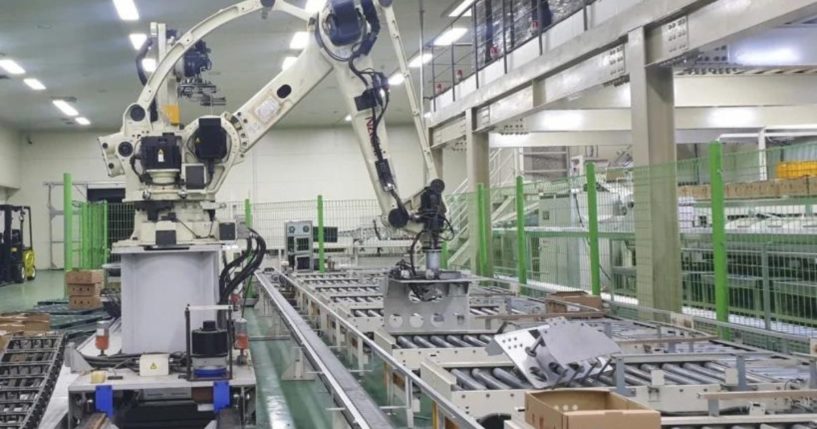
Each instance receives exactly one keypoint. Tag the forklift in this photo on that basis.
(16, 258)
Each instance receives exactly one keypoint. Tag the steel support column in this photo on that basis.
(658, 254)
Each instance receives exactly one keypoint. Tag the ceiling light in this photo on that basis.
(34, 84)
(149, 64)
(83, 121)
(299, 40)
(348, 118)
(397, 79)
(313, 6)
(65, 108)
(288, 62)
(418, 61)
(465, 6)
(138, 40)
(127, 10)
(449, 37)
(11, 66)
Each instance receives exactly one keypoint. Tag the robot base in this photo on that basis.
(449, 311)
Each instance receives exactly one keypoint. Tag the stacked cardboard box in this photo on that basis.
(84, 288)
(12, 324)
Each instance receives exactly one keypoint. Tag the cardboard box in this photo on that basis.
(5, 336)
(84, 277)
(587, 409)
(685, 192)
(812, 186)
(578, 297)
(31, 322)
(84, 302)
(701, 192)
(794, 187)
(84, 289)
(766, 189)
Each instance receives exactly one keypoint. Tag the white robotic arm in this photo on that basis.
(174, 173)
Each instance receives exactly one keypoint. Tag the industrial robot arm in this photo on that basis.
(174, 173)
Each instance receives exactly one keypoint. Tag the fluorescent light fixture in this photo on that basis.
(397, 79)
(11, 66)
(418, 61)
(138, 40)
(313, 6)
(465, 6)
(288, 62)
(768, 57)
(34, 84)
(127, 10)
(299, 40)
(449, 37)
(149, 64)
(348, 118)
(83, 121)
(65, 108)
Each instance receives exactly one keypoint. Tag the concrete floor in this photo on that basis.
(281, 404)
(20, 297)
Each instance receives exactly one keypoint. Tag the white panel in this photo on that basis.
(564, 31)
(467, 86)
(524, 54)
(9, 157)
(602, 10)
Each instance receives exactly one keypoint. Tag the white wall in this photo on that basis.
(9, 160)
(286, 165)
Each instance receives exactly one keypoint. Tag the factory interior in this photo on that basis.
(400, 214)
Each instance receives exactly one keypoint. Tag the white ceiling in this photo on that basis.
(80, 48)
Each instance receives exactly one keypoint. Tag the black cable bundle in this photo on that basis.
(250, 259)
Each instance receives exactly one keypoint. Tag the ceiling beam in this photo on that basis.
(596, 138)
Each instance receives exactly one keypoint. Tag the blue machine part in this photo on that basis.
(210, 372)
(344, 22)
(221, 395)
(103, 399)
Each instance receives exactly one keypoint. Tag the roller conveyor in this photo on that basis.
(29, 368)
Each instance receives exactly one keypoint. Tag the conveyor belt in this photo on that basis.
(476, 310)
(29, 367)
(637, 374)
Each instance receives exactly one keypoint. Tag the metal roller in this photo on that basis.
(440, 342)
(467, 381)
(486, 378)
(477, 312)
(749, 377)
(457, 342)
(719, 376)
(473, 340)
(675, 378)
(508, 377)
(675, 369)
(422, 342)
(486, 338)
(405, 343)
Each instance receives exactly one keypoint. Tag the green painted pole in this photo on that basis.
(482, 264)
(321, 254)
(521, 237)
(444, 255)
(68, 221)
(593, 227)
(248, 212)
(106, 248)
(719, 231)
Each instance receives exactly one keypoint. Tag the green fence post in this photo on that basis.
(521, 237)
(105, 249)
(483, 240)
(68, 222)
(719, 231)
(593, 228)
(248, 213)
(444, 256)
(321, 255)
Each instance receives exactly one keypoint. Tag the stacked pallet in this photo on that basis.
(84, 289)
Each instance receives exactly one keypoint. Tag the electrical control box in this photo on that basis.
(299, 244)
